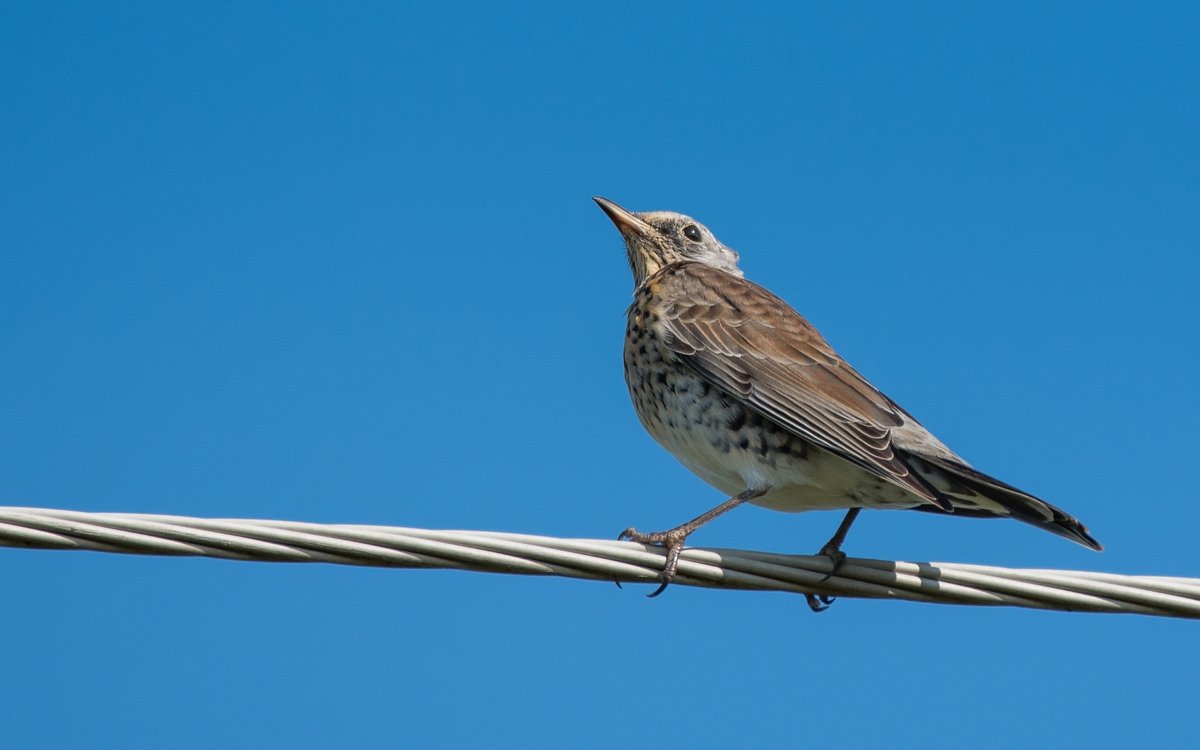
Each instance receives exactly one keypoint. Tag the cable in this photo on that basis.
(496, 552)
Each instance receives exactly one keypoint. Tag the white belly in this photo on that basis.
(734, 449)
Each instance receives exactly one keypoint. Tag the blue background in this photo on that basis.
(340, 264)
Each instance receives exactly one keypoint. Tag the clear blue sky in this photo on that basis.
(340, 264)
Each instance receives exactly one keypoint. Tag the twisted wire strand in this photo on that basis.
(497, 552)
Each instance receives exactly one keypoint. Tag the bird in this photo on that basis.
(750, 397)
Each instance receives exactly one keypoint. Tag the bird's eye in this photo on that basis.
(692, 232)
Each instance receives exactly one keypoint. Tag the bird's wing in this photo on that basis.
(754, 347)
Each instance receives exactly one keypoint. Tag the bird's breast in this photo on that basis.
(716, 436)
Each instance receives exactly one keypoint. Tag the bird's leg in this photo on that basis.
(833, 550)
(673, 539)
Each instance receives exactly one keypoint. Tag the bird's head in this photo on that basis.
(656, 239)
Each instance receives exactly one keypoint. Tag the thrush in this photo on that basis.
(751, 398)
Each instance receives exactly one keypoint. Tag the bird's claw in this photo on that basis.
(836, 556)
(671, 540)
(819, 602)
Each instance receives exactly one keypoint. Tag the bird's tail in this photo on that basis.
(977, 494)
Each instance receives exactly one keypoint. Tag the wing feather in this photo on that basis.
(754, 347)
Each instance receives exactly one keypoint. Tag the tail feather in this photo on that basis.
(1011, 501)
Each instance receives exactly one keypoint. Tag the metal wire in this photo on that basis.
(495, 552)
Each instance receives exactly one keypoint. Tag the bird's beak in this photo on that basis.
(626, 222)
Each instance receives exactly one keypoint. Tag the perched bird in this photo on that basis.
(750, 397)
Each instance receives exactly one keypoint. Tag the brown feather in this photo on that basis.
(763, 353)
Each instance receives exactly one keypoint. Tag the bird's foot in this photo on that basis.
(836, 556)
(833, 550)
(821, 602)
(672, 540)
